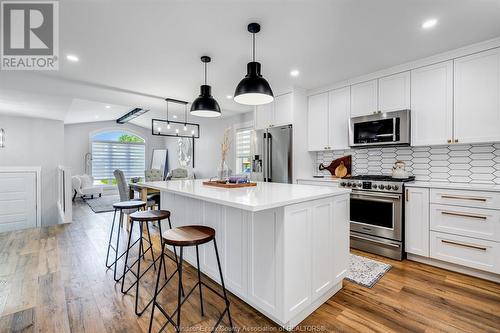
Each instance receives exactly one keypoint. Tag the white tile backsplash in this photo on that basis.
(457, 163)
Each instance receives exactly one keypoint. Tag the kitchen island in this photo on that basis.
(284, 247)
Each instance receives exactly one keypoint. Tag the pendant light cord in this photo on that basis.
(186, 113)
(167, 113)
(253, 48)
(205, 73)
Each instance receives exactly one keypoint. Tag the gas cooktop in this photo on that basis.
(378, 183)
(381, 178)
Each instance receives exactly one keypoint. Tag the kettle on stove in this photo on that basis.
(399, 170)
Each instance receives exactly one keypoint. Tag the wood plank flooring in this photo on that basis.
(54, 280)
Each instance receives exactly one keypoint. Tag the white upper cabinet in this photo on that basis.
(283, 110)
(279, 112)
(477, 97)
(338, 113)
(432, 104)
(317, 124)
(394, 92)
(264, 115)
(328, 120)
(364, 98)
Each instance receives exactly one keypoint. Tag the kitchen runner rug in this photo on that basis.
(365, 271)
(102, 204)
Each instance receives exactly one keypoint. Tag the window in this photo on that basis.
(243, 153)
(117, 150)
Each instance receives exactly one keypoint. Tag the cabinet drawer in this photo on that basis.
(318, 183)
(465, 221)
(478, 199)
(471, 252)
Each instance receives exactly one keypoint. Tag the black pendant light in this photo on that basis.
(253, 89)
(205, 105)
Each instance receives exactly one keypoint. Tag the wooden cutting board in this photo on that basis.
(336, 169)
(228, 185)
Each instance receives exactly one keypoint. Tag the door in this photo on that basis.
(477, 97)
(17, 201)
(283, 110)
(432, 104)
(317, 122)
(394, 92)
(364, 98)
(280, 152)
(338, 115)
(264, 116)
(417, 221)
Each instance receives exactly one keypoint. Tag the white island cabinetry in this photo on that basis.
(284, 247)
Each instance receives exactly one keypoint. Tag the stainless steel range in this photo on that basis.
(377, 214)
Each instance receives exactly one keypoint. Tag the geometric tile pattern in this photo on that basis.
(479, 163)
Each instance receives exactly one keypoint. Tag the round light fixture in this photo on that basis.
(294, 72)
(205, 105)
(253, 89)
(429, 23)
(72, 58)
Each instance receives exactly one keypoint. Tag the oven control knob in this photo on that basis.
(387, 187)
(395, 187)
(360, 185)
(349, 184)
(342, 184)
(381, 187)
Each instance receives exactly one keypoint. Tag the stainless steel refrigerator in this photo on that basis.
(272, 155)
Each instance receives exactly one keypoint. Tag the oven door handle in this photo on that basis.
(376, 241)
(361, 194)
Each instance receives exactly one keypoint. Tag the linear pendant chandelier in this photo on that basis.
(205, 105)
(176, 129)
(253, 89)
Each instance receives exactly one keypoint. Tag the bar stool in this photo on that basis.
(193, 235)
(125, 207)
(144, 217)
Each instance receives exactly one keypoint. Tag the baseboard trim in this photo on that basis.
(455, 268)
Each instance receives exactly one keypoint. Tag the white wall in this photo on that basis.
(207, 147)
(76, 137)
(36, 142)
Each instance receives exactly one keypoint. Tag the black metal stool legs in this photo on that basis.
(225, 293)
(181, 300)
(110, 239)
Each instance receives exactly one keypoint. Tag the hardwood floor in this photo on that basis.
(54, 280)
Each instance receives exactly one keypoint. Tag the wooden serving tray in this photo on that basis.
(228, 185)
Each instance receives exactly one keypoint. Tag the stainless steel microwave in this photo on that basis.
(380, 129)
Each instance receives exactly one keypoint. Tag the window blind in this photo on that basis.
(243, 142)
(107, 156)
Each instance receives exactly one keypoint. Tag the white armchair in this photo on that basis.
(83, 185)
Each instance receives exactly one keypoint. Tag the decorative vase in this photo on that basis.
(223, 171)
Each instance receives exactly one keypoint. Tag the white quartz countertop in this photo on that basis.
(329, 179)
(455, 186)
(261, 197)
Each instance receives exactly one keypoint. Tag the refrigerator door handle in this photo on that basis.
(269, 158)
(264, 157)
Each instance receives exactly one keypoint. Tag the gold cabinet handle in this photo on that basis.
(456, 140)
(472, 216)
(449, 140)
(464, 245)
(407, 195)
(462, 198)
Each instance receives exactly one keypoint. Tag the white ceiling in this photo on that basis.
(134, 53)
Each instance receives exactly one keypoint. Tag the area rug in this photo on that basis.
(102, 204)
(365, 271)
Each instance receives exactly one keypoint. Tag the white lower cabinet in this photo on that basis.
(461, 227)
(417, 221)
(466, 251)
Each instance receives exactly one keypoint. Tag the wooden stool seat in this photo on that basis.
(132, 204)
(189, 235)
(150, 215)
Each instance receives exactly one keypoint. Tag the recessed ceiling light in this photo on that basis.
(229, 97)
(72, 58)
(108, 107)
(294, 72)
(429, 23)
(175, 117)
